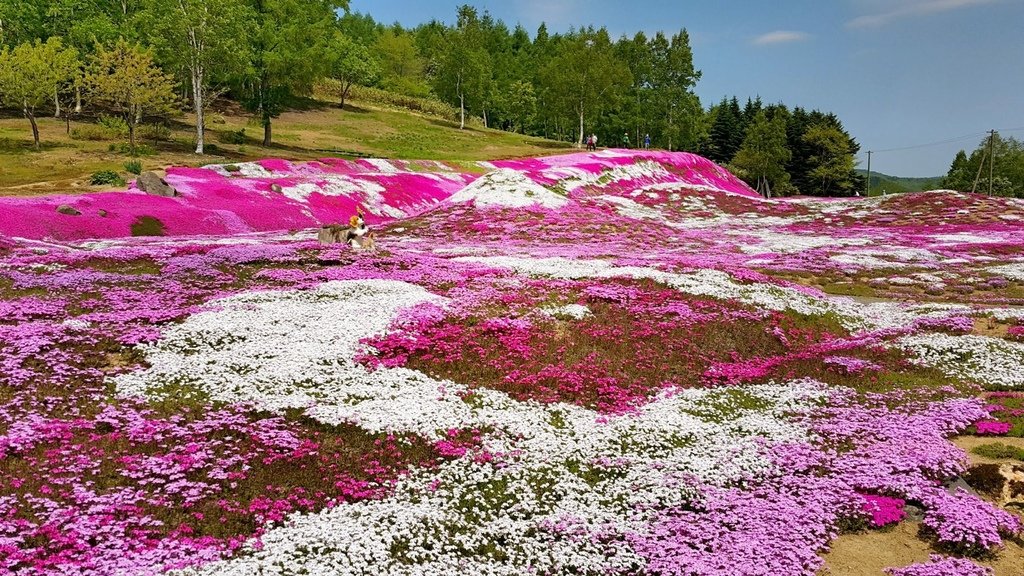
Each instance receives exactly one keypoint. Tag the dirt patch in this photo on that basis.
(869, 553)
(990, 327)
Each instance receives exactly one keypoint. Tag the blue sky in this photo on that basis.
(898, 73)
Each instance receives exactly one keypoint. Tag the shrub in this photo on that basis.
(215, 119)
(126, 148)
(233, 137)
(133, 166)
(92, 132)
(114, 125)
(999, 451)
(153, 132)
(387, 98)
(106, 178)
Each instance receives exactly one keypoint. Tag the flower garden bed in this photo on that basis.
(619, 373)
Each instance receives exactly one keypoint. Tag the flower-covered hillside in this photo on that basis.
(592, 364)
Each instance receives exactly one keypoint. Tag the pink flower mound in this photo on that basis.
(682, 167)
(940, 566)
(212, 203)
(884, 510)
(1015, 333)
(992, 428)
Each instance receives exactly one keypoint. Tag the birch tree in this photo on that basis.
(209, 40)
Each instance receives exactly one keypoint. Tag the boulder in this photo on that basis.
(65, 209)
(150, 183)
(275, 188)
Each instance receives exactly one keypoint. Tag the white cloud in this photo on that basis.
(780, 37)
(911, 9)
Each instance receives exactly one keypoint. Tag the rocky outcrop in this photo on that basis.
(150, 183)
(68, 210)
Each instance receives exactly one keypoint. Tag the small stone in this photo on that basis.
(102, 213)
(276, 188)
(65, 209)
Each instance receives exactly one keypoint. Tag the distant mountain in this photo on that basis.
(896, 184)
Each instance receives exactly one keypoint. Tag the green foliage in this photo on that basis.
(154, 132)
(106, 178)
(585, 77)
(1007, 170)
(133, 167)
(762, 158)
(233, 137)
(114, 125)
(402, 66)
(33, 74)
(831, 162)
(288, 41)
(896, 184)
(209, 40)
(124, 79)
(462, 77)
(351, 63)
(386, 98)
(521, 103)
(93, 132)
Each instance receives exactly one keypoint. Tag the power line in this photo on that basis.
(949, 140)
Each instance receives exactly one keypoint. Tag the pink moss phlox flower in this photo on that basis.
(883, 509)
(992, 428)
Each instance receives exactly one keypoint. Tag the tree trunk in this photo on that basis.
(56, 103)
(131, 134)
(579, 143)
(344, 93)
(462, 111)
(78, 99)
(485, 118)
(197, 98)
(35, 128)
(266, 130)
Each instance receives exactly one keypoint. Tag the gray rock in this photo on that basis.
(150, 183)
(959, 483)
(914, 513)
(65, 209)
(275, 188)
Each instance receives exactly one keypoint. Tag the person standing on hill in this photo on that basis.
(625, 139)
(647, 141)
(593, 138)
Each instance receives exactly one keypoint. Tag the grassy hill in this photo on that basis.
(65, 163)
(897, 184)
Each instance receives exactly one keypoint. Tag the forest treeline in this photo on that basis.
(150, 59)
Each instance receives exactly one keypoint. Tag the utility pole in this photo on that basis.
(978, 175)
(991, 158)
(867, 187)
